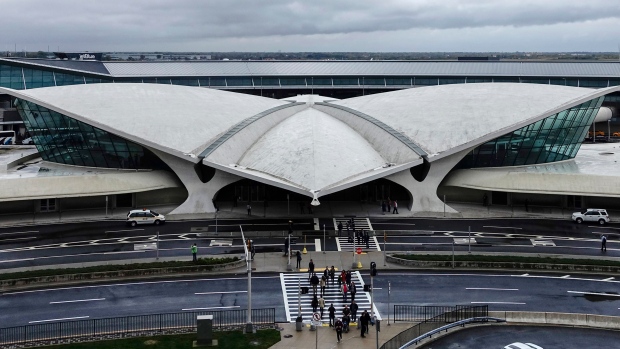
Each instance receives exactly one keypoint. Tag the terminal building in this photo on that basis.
(426, 134)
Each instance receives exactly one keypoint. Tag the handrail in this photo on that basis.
(449, 326)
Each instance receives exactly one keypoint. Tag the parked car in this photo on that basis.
(591, 215)
(27, 140)
(597, 133)
(144, 216)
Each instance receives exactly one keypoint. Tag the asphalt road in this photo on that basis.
(111, 240)
(525, 292)
(530, 337)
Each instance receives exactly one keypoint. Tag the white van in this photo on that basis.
(144, 216)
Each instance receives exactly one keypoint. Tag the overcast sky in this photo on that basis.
(310, 25)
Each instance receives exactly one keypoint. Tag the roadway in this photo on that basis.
(47, 245)
(569, 293)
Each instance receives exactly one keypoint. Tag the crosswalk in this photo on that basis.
(360, 224)
(290, 290)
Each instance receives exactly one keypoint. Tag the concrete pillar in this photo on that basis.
(424, 194)
(200, 195)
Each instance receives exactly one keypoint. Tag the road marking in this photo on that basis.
(121, 252)
(142, 247)
(382, 223)
(135, 283)
(609, 279)
(536, 242)
(492, 289)
(26, 238)
(494, 226)
(516, 303)
(374, 237)
(599, 227)
(564, 277)
(464, 241)
(203, 293)
(337, 246)
(221, 242)
(17, 260)
(369, 225)
(79, 300)
(120, 231)
(595, 293)
(20, 232)
(229, 307)
(317, 245)
(62, 319)
(525, 274)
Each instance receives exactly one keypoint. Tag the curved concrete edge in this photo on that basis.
(505, 266)
(521, 318)
(559, 319)
(119, 275)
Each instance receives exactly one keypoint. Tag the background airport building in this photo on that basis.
(532, 158)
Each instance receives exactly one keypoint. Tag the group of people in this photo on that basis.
(389, 205)
(348, 314)
(361, 236)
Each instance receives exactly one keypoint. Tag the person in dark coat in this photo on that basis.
(353, 308)
(298, 259)
(383, 207)
(314, 281)
(310, 269)
(314, 303)
(332, 273)
(332, 314)
(348, 278)
(353, 290)
(339, 228)
(339, 326)
(367, 239)
(364, 320)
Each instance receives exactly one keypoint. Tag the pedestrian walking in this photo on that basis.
(310, 269)
(364, 320)
(314, 281)
(339, 229)
(395, 207)
(353, 290)
(298, 259)
(348, 278)
(323, 284)
(326, 272)
(194, 252)
(389, 205)
(332, 315)
(332, 274)
(249, 208)
(383, 207)
(338, 327)
(314, 304)
(604, 243)
(367, 239)
(252, 249)
(345, 290)
(353, 308)
(358, 236)
(321, 306)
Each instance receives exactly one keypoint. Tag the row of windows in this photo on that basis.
(25, 78)
(555, 138)
(65, 140)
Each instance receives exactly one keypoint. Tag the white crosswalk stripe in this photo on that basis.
(290, 290)
(360, 223)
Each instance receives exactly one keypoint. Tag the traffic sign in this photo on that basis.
(316, 316)
(358, 250)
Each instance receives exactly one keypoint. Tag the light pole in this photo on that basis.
(157, 246)
(324, 239)
(389, 293)
(469, 239)
(288, 252)
(216, 210)
(249, 328)
(609, 130)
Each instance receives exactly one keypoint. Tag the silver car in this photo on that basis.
(135, 217)
(591, 215)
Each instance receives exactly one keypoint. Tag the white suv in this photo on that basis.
(135, 217)
(592, 215)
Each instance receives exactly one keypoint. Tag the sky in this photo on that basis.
(311, 25)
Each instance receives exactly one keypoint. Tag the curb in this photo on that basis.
(504, 265)
(117, 275)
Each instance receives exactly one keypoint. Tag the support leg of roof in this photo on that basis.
(424, 194)
(200, 195)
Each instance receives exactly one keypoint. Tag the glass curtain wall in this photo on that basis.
(555, 138)
(65, 140)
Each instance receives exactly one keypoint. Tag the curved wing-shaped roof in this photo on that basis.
(167, 117)
(312, 150)
(451, 117)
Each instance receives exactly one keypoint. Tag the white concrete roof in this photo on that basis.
(177, 118)
(593, 172)
(312, 150)
(453, 117)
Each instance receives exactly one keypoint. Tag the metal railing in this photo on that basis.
(431, 318)
(130, 324)
(419, 313)
(449, 326)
